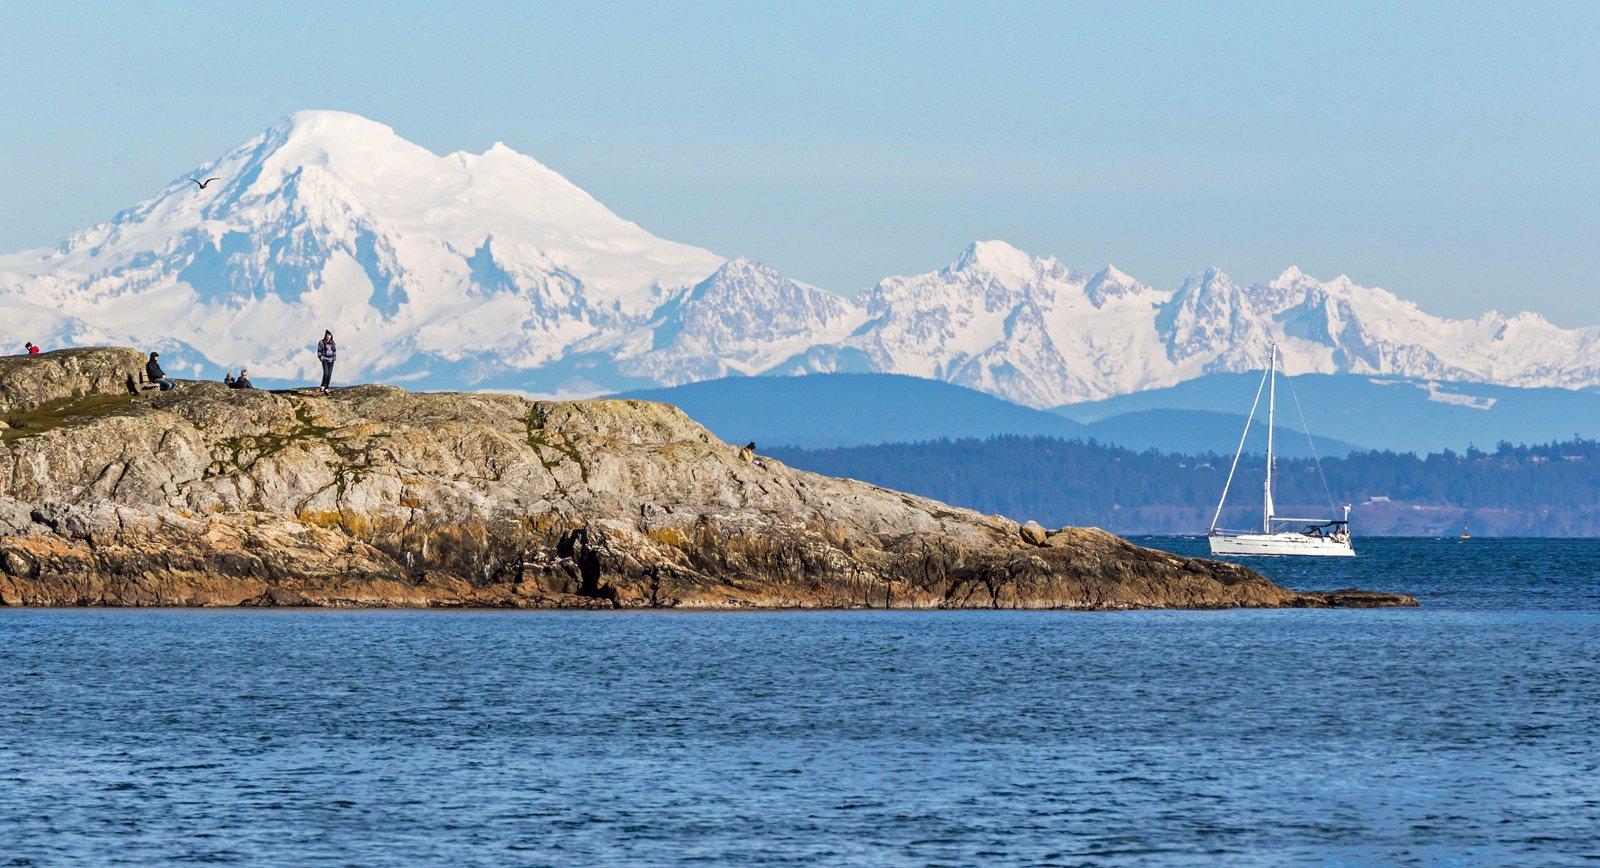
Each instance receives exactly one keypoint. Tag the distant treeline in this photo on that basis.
(1549, 489)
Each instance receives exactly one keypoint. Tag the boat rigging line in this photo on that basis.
(1238, 452)
(1315, 458)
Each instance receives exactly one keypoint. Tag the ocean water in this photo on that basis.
(1464, 732)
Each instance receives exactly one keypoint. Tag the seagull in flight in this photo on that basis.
(202, 184)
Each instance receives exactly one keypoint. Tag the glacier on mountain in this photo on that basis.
(492, 271)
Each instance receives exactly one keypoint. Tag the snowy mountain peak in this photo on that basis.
(1110, 283)
(1211, 282)
(1112, 274)
(326, 138)
(743, 267)
(745, 318)
(1527, 318)
(998, 259)
(1289, 277)
(331, 126)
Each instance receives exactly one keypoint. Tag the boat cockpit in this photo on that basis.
(1336, 529)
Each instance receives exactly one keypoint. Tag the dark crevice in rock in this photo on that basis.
(575, 545)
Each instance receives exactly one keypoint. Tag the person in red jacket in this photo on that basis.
(32, 348)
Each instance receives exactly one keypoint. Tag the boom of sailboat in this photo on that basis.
(1279, 535)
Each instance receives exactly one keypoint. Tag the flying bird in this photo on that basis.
(202, 184)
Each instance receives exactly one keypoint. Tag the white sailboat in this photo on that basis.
(1320, 537)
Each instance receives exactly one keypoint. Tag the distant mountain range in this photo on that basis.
(1380, 412)
(1348, 412)
(492, 271)
(826, 410)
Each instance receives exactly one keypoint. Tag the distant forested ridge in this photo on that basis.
(1543, 490)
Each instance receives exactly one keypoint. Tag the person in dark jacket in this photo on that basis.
(154, 374)
(242, 381)
(327, 351)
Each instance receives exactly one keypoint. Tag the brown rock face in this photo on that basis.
(379, 497)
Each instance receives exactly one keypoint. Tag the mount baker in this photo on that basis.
(492, 271)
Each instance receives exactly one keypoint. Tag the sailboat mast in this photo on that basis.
(1272, 406)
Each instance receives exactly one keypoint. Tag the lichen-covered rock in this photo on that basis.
(28, 382)
(379, 497)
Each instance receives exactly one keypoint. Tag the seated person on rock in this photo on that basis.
(153, 373)
(243, 381)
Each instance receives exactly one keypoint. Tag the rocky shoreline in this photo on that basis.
(375, 496)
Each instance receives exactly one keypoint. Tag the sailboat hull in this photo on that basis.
(1270, 544)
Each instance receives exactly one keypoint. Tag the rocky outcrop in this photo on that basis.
(28, 382)
(379, 497)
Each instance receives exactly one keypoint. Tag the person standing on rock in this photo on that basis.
(327, 351)
(154, 374)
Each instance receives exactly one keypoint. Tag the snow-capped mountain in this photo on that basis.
(743, 319)
(465, 264)
(1003, 322)
(473, 270)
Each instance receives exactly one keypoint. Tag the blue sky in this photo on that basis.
(1448, 152)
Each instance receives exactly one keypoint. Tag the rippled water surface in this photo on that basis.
(1467, 731)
